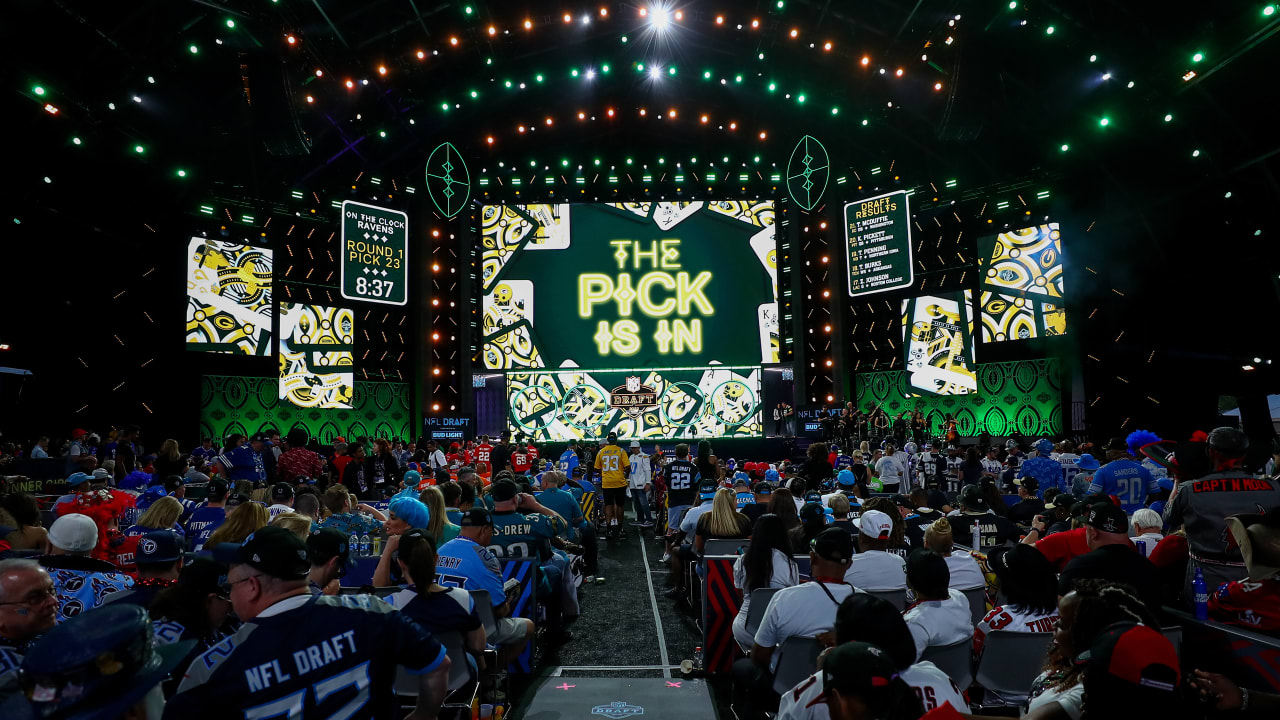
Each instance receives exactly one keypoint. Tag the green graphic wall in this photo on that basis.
(1025, 395)
(248, 405)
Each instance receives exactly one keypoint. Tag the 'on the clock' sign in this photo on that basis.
(375, 250)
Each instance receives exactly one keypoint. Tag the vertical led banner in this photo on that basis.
(877, 234)
(375, 254)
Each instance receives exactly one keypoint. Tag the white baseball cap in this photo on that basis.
(74, 533)
(876, 524)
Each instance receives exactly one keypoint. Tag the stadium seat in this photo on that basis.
(797, 659)
(1174, 634)
(1010, 663)
(956, 660)
(897, 598)
(460, 675)
(977, 598)
(759, 603)
(724, 547)
(802, 566)
(484, 608)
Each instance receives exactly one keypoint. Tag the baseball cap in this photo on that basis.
(764, 488)
(903, 501)
(505, 489)
(612, 437)
(707, 490)
(1044, 446)
(75, 479)
(77, 434)
(876, 524)
(1259, 540)
(217, 487)
(1134, 654)
(75, 532)
(811, 511)
(863, 670)
(813, 496)
(238, 499)
(1020, 560)
(833, 544)
(476, 517)
(158, 547)
(741, 481)
(100, 474)
(1029, 483)
(64, 673)
(324, 544)
(204, 575)
(1117, 444)
(276, 552)
(845, 478)
(1088, 462)
(971, 497)
(173, 482)
(635, 443)
(281, 492)
(412, 478)
(258, 437)
(1106, 517)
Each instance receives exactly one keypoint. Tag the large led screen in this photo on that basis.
(647, 404)
(228, 297)
(316, 351)
(1021, 292)
(937, 340)
(627, 285)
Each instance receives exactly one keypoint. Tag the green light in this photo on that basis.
(231, 23)
(507, 83)
(628, 161)
(639, 67)
(468, 9)
(662, 161)
(624, 39)
(38, 90)
(773, 86)
(835, 111)
(706, 74)
(564, 162)
(488, 61)
(1168, 117)
(604, 69)
(671, 70)
(1013, 4)
(755, 159)
(864, 122)
(596, 162)
(533, 163)
(1093, 58)
(382, 133)
(800, 98)
(1195, 153)
(1268, 11)
(760, 56)
(75, 141)
(538, 77)
(724, 159)
(195, 50)
(781, 4)
(181, 172)
(1065, 147)
(444, 106)
(1104, 122)
(474, 94)
(1197, 57)
(574, 72)
(139, 149)
(737, 78)
(1049, 30)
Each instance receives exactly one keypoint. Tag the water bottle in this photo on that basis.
(977, 537)
(697, 658)
(353, 545)
(1200, 592)
(364, 545)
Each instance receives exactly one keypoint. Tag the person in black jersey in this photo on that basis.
(307, 656)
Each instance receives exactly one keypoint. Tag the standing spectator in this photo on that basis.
(1203, 505)
(940, 614)
(170, 460)
(817, 468)
(1087, 465)
(874, 568)
(1028, 599)
(641, 480)
(298, 462)
(79, 459)
(126, 450)
(767, 563)
(436, 458)
(243, 462)
(381, 471)
(965, 572)
(81, 582)
(354, 472)
(972, 469)
(1124, 478)
(613, 465)
(40, 451)
(890, 470)
(1146, 530)
(500, 456)
(1046, 471)
(205, 453)
(1111, 556)
(28, 534)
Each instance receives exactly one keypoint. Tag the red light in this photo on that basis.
(795, 32)
(609, 112)
(435, 336)
(643, 112)
(827, 46)
(421, 55)
(825, 259)
(671, 113)
(755, 24)
(528, 25)
(493, 31)
(548, 122)
(644, 12)
(865, 61)
(763, 135)
(520, 129)
(719, 19)
(435, 406)
(899, 72)
(382, 70)
(582, 115)
(489, 139)
(291, 40)
(604, 12)
(49, 107)
(705, 119)
(350, 84)
(435, 233)
(733, 126)
(679, 14)
(319, 72)
(823, 225)
(453, 41)
(310, 99)
(568, 18)
(937, 86)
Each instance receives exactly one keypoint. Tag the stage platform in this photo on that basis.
(619, 698)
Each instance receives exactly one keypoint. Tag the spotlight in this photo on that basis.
(660, 18)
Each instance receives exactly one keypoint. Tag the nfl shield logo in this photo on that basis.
(633, 384)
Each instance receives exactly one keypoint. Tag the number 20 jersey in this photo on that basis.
(314, 657)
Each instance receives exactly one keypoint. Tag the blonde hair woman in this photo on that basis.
(965, 571)
(261, 495)
(162, 515)
(299, 525)
(722, 522)
(442, 531)
(242, 521)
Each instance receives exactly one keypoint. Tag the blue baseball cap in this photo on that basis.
(412, 478)
(158, 547)
(846, 478)
(771, 475)
(707, 490)
(76, 478)
(1044, 446)
(764, 487)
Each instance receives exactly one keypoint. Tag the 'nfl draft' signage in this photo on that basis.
(633, 398)
(375, 253)
(447, 427)
(877, 234)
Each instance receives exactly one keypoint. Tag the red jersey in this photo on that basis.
(483, 453)
(469, 455)
(1251, 604)
(533, 455)
(453, 459)
(520, 460)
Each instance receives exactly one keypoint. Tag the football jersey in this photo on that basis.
(808, 701)
(953, 467)
(929, 468)
(568, 461)
(935, 623)
(877, 570)
(842, 461)
(484, 452)
(533, 454)
(519, 460)
(995, 467)
(464, 563)
(993, 529)
(1127, 480)
(202, 523)
(610, 461)
(243, 463)
(1252, 604)
(310, 656)
(1013, 618)
(518, 535)
(681, 483)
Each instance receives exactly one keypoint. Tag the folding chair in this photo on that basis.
(759, 603)
(896, 598)
(724, 547)
(484, 608)
(462, 681)
(1010, 663)
(956, 660)
(1174, 634)
(797, 659)
(977, 598)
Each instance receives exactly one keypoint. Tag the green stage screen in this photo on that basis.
(629, 285)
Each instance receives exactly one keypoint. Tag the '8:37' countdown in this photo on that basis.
(374, 254)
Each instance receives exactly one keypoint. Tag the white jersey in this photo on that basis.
(889, 470)
(641, 472)
(877, 570)
(953, 467)
(940, 622)
(277, 509)
(1013, 618)
(808, 700)
(1069, 467)
(805, 610)
(995, 467)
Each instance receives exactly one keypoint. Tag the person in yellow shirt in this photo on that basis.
(613, 465)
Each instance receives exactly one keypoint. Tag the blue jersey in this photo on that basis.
(568, 461)
(1128, 481)
(518, 535)
(564, 503)
(82, 584)
(464, 563)
(243, 463)
(202, 523)
(744, 499)
(308, 657)
(844, 461)
(1046, 471)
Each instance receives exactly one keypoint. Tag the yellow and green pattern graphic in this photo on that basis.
(228, 297)
(1021, 295)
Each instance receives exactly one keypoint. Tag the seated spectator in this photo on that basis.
(869, 619)
(899, 543)
(307, 504)
(208, 517)
(1112, 556)
(1029, 504)
(162, 515)
(813, 520)
(442, 531)
(922, 513)
(1057, 514)
(466, 562)
(806, 610)
(242, 521)
(28, 608)
(974, 509)
(342, 518)
(561, 499)
(844, 515)
(330, 554)
(437, 608)
(158, 556)
(1132, 669)
(785, 505)
(874, 568)
(1083, 614)
(403, 514)
(1061, 548)
(762, 493)
(1253, 602)
(846, 484)
(294, 523)
(27, 533)
(859, 680)
(1028, 598)
(353, 634)
(196, 608)
(81, 582)
(1147, 527)
(523, 527)
(767, 563)
(965, 571)
(281, 499)
(940, 614)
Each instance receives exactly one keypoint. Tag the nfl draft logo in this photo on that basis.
(633, 398)
(617, 710)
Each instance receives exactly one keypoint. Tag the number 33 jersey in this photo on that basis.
(308, 657)
(1013, 619)
(808, 700)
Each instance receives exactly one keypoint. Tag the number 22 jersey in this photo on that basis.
(309, 657)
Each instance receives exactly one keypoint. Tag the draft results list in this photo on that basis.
(877, 233)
